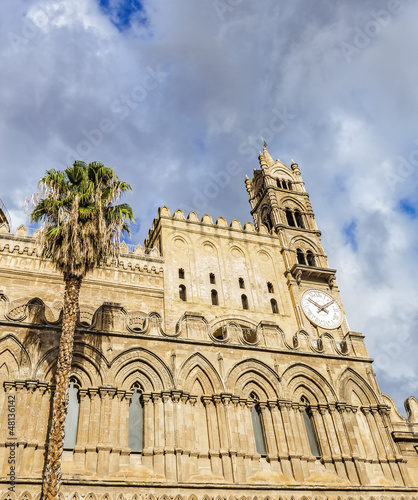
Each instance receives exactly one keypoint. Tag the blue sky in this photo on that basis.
(169, 93)
(122, 13)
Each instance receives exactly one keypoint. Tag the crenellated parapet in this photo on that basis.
(205, 221)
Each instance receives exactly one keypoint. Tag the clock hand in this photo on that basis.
(314, 303)
(323, 308)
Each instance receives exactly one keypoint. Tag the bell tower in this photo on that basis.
(279, 201)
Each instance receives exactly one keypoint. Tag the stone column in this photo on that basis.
(178, 417)
(272, 452)
(190, 435)
(115, 453)
(148, 448)
(396, 461)
(325, 449)
(31, 414)
(369, 412)
(282, 449)
(42, 426)
(6, 430)
(291, 433)
(243, 451)
(170, 459)
(158, 433)
(359, 462)
(229, 412)
(93, 431)
(82, 428)
(215, 459)
(336, 456)
(21, 398)
(224, 445)
(302, 444)
(338, 419)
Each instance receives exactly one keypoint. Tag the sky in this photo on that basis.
(169, 93)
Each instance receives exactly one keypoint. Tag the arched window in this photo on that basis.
(274, 307)
(212, 279)
(298, 219)
(270, 287)
(310, 257)
(71, 422)
(136, 420)
(260, 441)
(279, 184)
(182, 293)
(300, 257)
(289, 217)
(181, 274)
(241, 283)
(310, 429)
(244, 301)
(214, 297)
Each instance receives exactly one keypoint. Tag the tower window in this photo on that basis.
(298, 218)
(310, 257)
(241, 283)
(181, 274)
(266, 218)
(244, 300)
(136, 421)
(182, 293)
(256, 417)
(214, 297)
(270, 287)
(289, 217)
(300, 257)
(212, 279)
(71, 422)
(310, 429)
(274, 307)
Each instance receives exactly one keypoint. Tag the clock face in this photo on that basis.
(321, 309)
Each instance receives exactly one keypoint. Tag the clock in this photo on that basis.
(321, 309)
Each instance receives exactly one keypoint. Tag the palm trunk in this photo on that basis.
(52, 473)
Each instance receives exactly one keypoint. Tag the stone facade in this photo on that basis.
(240, 395)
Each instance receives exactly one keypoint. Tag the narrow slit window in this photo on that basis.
(274, 307)
(310, 429)
(136, 421)
(212, 279)
(73, 410)
(244, 300)
(270, 287)
(182, 293)
(214, 297)
(241, 283)
(256, 417)
(300, 257)
(181, 274)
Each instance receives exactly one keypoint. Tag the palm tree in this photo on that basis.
(81, 228)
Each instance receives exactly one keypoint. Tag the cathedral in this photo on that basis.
(213, 363)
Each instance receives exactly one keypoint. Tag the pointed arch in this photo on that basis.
(138, 364)
(304, 242)
(301, 380)
(292, 203)
(16, 357)
(351, 382)
(197, 367)
(251, 375)
(88, 363)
